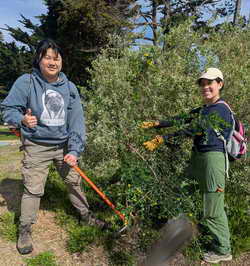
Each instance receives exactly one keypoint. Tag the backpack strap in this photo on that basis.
(232, 116)
(221, 137)
(227, 105)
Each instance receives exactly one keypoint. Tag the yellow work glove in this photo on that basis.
(154, 143)
(149, 124)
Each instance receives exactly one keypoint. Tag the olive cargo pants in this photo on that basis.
(35, 167)
(209, 170)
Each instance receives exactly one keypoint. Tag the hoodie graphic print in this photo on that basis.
(53, 113)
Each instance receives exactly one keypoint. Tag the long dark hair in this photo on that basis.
(41, 51)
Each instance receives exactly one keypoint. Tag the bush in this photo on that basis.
(238, 199)
(129, 87)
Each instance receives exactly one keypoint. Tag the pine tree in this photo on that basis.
(14, 61)
(80, 27)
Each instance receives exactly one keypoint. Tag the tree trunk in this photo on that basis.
(237, 12)
(167, 10)
(154, 22)
(167, 16)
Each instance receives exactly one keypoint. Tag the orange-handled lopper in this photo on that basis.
(101, 194)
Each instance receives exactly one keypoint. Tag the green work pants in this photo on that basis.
(209, 170)
(35, 168)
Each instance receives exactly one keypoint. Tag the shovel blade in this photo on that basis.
(174, 235)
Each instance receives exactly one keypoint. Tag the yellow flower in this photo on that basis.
(146, 55)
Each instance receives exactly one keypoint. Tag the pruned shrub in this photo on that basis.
(130, 86)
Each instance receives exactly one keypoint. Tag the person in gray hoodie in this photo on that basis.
(46, 107)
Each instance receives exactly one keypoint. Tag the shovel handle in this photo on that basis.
(101, 194)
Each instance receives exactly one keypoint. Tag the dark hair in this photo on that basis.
(218, 80)
(41, 51)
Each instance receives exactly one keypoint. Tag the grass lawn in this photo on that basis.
(10, 162)
(5, 134)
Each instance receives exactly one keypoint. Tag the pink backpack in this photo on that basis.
(236, 146)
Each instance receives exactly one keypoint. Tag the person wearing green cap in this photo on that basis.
(208, 160)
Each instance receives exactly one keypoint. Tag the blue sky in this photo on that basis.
(245, 11)
(11, 10)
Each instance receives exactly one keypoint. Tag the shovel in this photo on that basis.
(174, 235)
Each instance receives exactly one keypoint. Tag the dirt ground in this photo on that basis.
(47, 235)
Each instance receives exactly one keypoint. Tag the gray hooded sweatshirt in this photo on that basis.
(56, 105)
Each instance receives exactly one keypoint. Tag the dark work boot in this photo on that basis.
(24, 243)
(90, 219)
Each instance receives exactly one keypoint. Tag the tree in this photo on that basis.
(165, 14)
(80, 27)
(237, 12)
(14, 61)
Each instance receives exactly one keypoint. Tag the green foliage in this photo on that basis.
(80, 27)
(122, 258)
(8, 229)
(131, 87)
(81, 237)
(147, 237)
(43, 259)
(14, 61)
(234, 64)
(175, 12)
(149, 84)
(238, 202)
